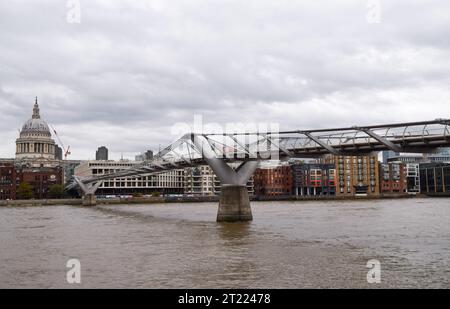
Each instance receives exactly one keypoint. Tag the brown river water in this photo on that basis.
(310, 244)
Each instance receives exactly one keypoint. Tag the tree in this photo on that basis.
(25, 191)
(56, 191)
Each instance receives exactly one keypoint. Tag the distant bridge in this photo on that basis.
(247, 149)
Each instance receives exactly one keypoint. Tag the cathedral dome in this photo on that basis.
(35, 140)
(36, 125)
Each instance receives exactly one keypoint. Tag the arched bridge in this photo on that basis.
(247, 149)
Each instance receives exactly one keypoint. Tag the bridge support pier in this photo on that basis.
(89, 200)
(234, 204)
(88, 192)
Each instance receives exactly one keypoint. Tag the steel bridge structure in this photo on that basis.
(247, 149)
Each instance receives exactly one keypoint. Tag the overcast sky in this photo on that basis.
(130, 70)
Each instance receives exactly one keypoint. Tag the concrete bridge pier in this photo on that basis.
(88, 192)
(89, 200)
(234, 204)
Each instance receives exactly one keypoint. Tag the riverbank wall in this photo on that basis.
(78, 201)
(196, 199)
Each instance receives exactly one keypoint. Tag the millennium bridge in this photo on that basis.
(244, 151)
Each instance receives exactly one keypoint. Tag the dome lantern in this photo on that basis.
(36, 114)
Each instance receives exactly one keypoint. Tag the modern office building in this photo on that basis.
(385, 155)
(101, 154)
(442, 156)
(146, 156)
(412, 178)
(171, 182)
(414, 161)
(435, 179)
(58, 153)
(444, 152)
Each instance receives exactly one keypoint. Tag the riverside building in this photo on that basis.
(435, 179)
(314, 179)
(201, 181)
(393, 178)
(8, 179)
(356, 175)
(273, 180)
(170, 182)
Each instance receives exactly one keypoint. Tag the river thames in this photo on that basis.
(314, 244)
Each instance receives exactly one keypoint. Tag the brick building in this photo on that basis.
(41, 179)
(273, 181)
(314, 179)
(393, 178)
(356, 175)
(8, 180)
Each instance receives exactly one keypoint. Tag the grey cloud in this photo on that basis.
(132, 69)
